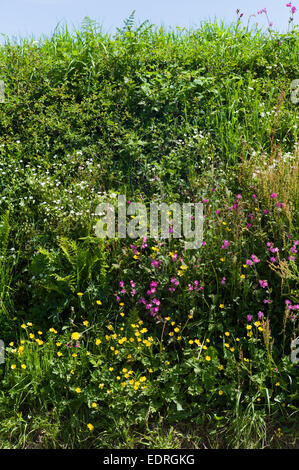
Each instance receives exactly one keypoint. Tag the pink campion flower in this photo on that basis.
(122, 284)
(255, 259)
(249, 317)
(154, 284)
(133, 284)
(253, 196)
(294, 9)
(291, 258)
(288, 4)
(204, 243)
(273, 195)
(217, 211)
(133, 292)
(142, 300)
(296, 242)
(238, 196)
(273, 259)
(295, 307)
(117, 298)
(225, 245)
(259, 12)
(264, 10)
(123, 291)
(235, 206)
(288, 302)
(293, 249)
(205, 200)
(267, 301)
(134, 248)
(250, 216)
(156, 301)
(144, 244)
(266, 211)
(171, 289)
(260, 314)
(155, 263)
(190, 288)
(249, 225)
(263, 284)
(249, 262)
(223, 280)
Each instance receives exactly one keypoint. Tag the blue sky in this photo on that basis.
(23, 18)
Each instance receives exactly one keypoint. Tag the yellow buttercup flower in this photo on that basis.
(80, 294)
(75, 335)
(90, 427)
(99, 302)
(78, 390)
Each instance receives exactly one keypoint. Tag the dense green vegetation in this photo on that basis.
(179, 116)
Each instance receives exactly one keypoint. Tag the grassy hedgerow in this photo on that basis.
(134, 343)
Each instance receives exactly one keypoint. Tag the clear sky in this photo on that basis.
(24, 18)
